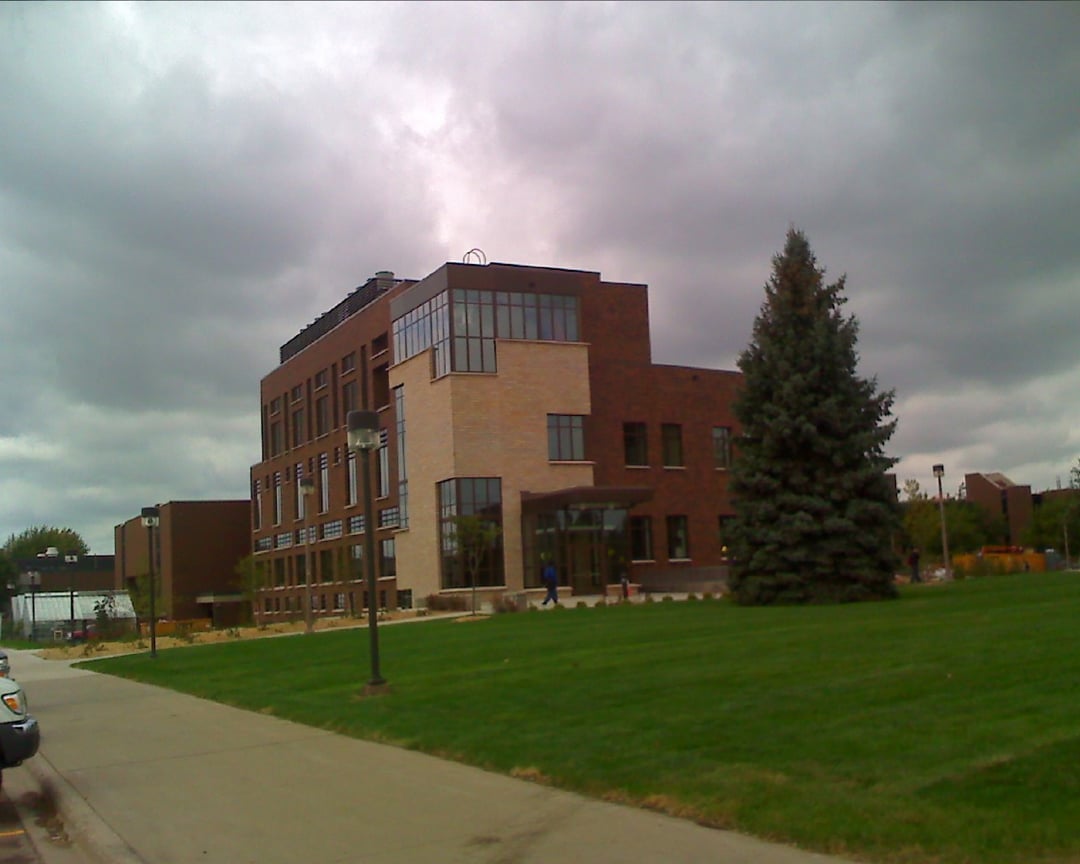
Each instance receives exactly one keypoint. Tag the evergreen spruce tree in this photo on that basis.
(815, 512)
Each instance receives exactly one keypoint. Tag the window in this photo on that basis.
(723, 530)
(350, 397)
(256, 505)
(403, 475)
(297, 393)
(298, 431)
(566, 437)
(379, 344)
(635, 444)
(277, 439)
(469, 496)
(468, 322)
(390, 517)
(277, 499)
(324, 483)
(671, 444)
(300, 510)
(678, 538)
(388, 558)
(351, 487)
(383, 473)
(721, 443)
(322, 416)
(473, 319)
(275, 405)
(380, 379)
(348, 362)
(641, 538)
(320, 379)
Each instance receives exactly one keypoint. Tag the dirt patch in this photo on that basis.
(207, 637)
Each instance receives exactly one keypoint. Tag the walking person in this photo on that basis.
(913, 562)
(550, 577)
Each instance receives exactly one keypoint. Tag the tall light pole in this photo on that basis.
(307, 487)
(363, 434)
(150, 520)
(939, 472)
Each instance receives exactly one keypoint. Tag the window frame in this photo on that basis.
(672, 453)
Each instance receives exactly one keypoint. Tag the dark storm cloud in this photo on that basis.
(185, 186)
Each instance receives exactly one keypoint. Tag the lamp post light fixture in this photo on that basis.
(939, 472)
(150, 520)
(307, 487)
(363, 431)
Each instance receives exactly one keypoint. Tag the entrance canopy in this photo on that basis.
(585, 497)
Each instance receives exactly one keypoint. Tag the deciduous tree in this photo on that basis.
(28, 543)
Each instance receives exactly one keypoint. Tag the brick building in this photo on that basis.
(999, 496)
(526, 395)
(197, 546)
(66, 571)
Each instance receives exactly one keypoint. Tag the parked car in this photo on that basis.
(19, 733)
(5, 664)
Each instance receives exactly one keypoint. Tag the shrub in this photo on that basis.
(446, 603)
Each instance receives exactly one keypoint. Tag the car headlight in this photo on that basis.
(16, 702)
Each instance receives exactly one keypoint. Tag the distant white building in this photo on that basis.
(53, 616)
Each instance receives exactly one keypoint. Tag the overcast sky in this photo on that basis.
(184, 186)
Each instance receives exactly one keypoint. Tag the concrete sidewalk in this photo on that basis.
(144, 775)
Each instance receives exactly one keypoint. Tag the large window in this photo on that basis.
(474, 331)
(641, 538)
(678, 538)
(566, 437)
(636, 444)
(469, 496)
(462, 326)
(721, 442)
(671, 444)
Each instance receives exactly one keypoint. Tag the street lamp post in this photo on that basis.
(307, 487)
(363, 431)
(939, 472)
(34, 579)
(150, 520)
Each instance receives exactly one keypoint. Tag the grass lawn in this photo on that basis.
(944, 727)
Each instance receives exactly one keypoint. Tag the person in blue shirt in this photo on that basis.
(550, 577)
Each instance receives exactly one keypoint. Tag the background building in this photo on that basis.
(524, 395)
(60, 571)
(997, 494)
(197, 547)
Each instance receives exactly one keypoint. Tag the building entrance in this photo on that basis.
(590, 547)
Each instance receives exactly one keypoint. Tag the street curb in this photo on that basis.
(87, 830)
